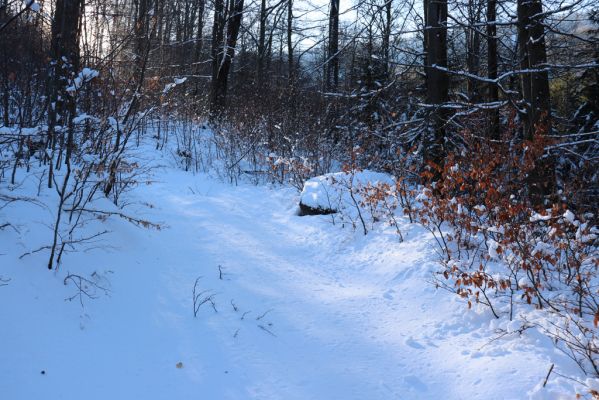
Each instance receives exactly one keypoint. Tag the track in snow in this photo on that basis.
(306, 310)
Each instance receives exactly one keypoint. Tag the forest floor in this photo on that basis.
(305, 309)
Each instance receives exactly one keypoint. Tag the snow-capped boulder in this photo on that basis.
(331, 193)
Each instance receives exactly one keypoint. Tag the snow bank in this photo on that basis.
(331, 193)
(291, 293)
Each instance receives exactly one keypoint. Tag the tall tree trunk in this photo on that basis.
(219, 85)
(141, 32)
(473, 49)
(200, 31)
(197, 59)
(216, 50)
(493, 90)
(6, 101)
(261, 44)
(290, 76)
(437, 80)
(3, 11)
(332, 75)
(65, 63)
(5, 54)
(535, 90)
(386, 42)
(533, 56)
(65, 56)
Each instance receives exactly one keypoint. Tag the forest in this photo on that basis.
(442, 153)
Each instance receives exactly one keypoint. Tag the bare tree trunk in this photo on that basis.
(199, 44)
(141, 32)
(218, 27)
(219, 85)
(5, 69)
(386, 43)
(535, 83)
(290, 76)
(200, 31)
(6, 102)
(332, 75)
(473, 50)
(261, 45)
(493, 90)
(437, 80)
(65, 55)
(535, 89)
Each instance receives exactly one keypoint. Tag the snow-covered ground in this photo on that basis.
(305, 309)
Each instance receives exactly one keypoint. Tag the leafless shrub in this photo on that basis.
(87, 288)
(201, 297)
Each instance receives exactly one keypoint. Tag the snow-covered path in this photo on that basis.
(306, 310)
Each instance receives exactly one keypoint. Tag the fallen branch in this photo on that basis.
(263, 315)
(133, 220)
(85, 287)
(64, 243)
(266, 330)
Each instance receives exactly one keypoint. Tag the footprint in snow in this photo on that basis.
(413, 343)
(415, 383)
(389, 294)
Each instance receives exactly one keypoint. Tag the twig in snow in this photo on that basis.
(85, 287)
(503, 333)
(34, 251)
(548, 373)
(263, 315)
(133, 220)
(201, 298)
(8, 224)
(570, 378)
(65, 243)
(11, 199)
(266, 330)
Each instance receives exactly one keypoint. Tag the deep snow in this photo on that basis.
(306, 309)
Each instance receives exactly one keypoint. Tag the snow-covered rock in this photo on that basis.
(331, 193)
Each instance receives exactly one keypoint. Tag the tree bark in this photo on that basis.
(65, 57)
(492, 65)
(437, 80)
(473, 51)
(332, 74)
(261, 44)
(219, 85)
(533, 56)
(141, 32)
(535, 90)
(386, 42)
(290, 76)
(216, 49)
(199, 44)
(65, 63)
